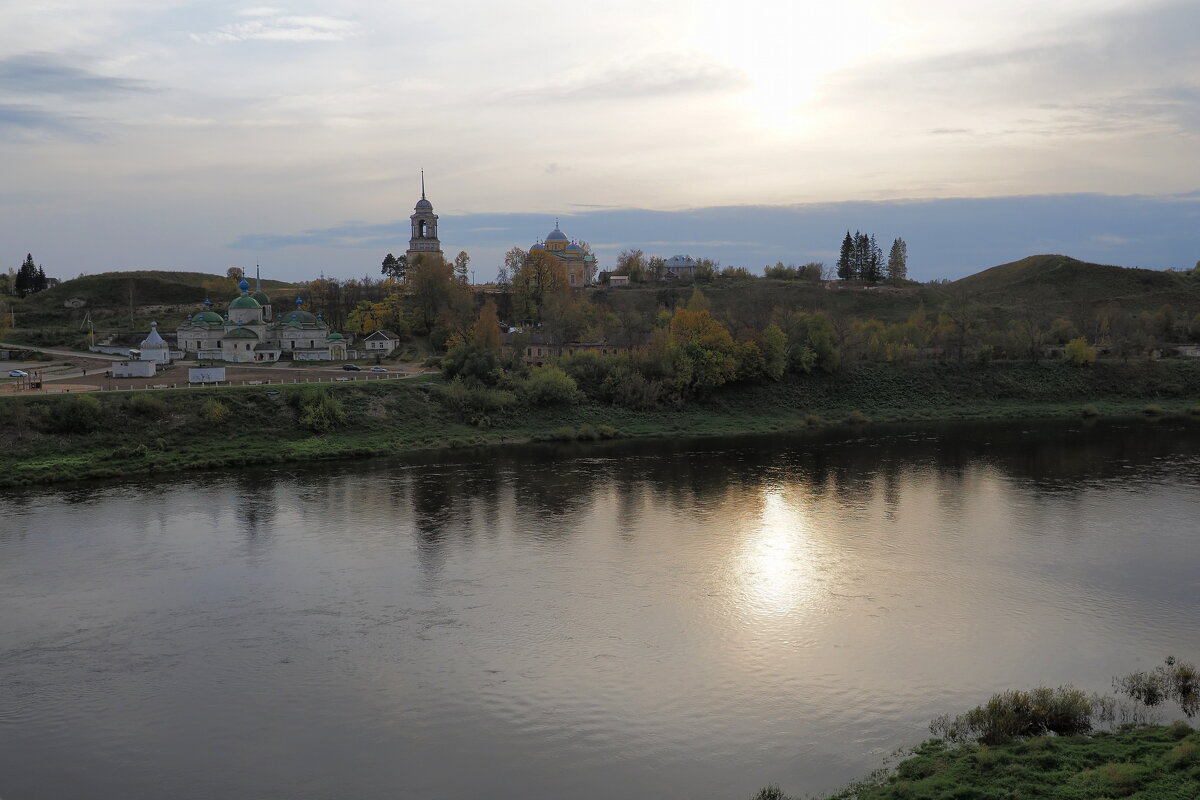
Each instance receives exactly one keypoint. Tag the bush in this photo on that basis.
(476, 404)
(1020, 714)
(548, 386)
(1079, 352)
(1182, 756)
(1172, 680)
(1089, 410)
(857, 418)
(79, 413)
(145, 404)
(214, 412)
(320, 411)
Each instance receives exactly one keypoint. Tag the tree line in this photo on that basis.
(861, 259)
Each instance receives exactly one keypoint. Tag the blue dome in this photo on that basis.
(244, 285)
(556, 236)
(423, 205)
(574, 248)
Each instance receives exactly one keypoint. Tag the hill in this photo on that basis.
(1063, 284)
(113, 293)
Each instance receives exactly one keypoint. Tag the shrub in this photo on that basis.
(146, 405)
(320, 411)
(79, 413)
(476, 404)
(857, 417)
(214, 412)
(1172, 680)
(1090, 410)
(1182, 756)
(548, 386)
(1019, 714)
(1079, 352)
(1153, 410)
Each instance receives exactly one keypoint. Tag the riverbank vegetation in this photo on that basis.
(1057, 743)
(112, 434)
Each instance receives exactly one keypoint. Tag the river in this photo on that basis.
(690, 619)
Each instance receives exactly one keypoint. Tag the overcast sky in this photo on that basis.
(199, 135)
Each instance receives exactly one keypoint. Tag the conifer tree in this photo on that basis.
(897, 264)
(845, 262)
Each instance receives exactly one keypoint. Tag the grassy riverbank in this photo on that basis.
(1154, 762)
(71, 437)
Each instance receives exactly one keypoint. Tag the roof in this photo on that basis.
(262, 298)
(556, 235)
(205, 318)
(154, 341)
(245, 301)
(381, 334)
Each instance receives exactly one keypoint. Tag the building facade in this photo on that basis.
(249, 333)
(579, 263)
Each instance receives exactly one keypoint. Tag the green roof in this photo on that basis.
(245, 301)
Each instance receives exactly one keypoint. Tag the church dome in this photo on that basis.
(262, 298)
(574, 248)
(207, 318)
(335, 337)
(244, 285)
(423, 205)
(301, 317)
(154, 341)
(245, 301)
(556, 235)
(240, 333)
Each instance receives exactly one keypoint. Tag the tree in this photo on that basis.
(485, 332)
(539, 277)
(845, 262)
(1079, 352)
(897, 263)
(26, 279)
(235, 274)
(872, 261)
(5, 318)
(461, 262)
(631, 262)
(395, 268)
(432, 286)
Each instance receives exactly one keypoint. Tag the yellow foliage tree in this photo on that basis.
(485, 332)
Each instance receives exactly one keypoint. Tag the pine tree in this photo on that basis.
(872, 259)
(897, 265)
(26, 277)
(461, 262)
(845, 262)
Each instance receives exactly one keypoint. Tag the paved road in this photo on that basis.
(63, 353)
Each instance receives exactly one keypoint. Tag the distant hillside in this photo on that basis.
(149, 287)
(1049, 281)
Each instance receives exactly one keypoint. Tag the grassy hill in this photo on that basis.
(1056, 282)
(167, 296)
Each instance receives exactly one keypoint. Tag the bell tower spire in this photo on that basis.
(424, 239)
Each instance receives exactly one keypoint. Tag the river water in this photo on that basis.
(666, 619)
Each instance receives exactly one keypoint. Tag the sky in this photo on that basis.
(202, 135)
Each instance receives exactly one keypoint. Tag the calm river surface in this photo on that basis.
(677, 620)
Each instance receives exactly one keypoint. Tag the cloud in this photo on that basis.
(280, 29)
(25, 122)
(60, 75)
(653, 77)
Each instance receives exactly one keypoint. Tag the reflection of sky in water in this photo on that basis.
(638, 619)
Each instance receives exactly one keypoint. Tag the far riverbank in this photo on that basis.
(110, 435)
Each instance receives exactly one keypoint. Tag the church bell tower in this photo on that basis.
(424, 240)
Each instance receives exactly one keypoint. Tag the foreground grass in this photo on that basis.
(63, 438)
(1152, 762)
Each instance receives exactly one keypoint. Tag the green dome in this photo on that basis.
(262, 298)
(301, 317)
(335, 336)
(206, 317)
(245, 301)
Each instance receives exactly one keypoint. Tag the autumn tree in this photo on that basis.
(432, 288)
(462, 262)
(485, 331)
(631, 262)
(541, 276)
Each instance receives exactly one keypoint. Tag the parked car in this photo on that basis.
(18, 373)
(378, 369)
(352, 367)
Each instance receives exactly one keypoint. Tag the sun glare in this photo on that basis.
(777, 564)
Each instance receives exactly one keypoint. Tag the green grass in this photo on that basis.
(1159, 762)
